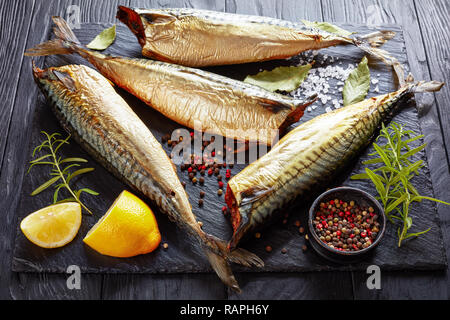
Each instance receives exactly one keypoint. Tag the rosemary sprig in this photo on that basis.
(59, 173)
(393, 174)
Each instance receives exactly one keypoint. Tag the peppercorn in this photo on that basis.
(220, 185)
(284, 251)
(268, 248)
(202, 193)
(201, 180)
(304, 248)
(257, 235)
(297, 223)
(220, 192)
(301, 230)
(194, 180)
(219, 177)
(165, 245)
(200, 202)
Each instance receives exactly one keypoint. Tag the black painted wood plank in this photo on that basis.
(314, 285)
(34, 286)
(173, 286)
(433, 20)
(394, 284)
(15, 17)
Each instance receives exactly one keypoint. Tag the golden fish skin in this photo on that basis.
(189, 96)
(308, 156)
(199, 38)
(88, 107)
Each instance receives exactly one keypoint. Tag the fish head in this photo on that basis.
(61, 76)
(140, 20)
(240, 218)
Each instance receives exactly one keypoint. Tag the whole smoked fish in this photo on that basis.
(199, 38)
(89, 108)
(310, 155)
(189, 96)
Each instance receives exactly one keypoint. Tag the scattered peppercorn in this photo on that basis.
(284, 251)
(301, 230)
(304, 248)
(268, 248)
(194, 180)
(297, 223)
(202, 193)
(220, 192)
(201, 180)
(165, 245)
(200, 202)
(257, 235)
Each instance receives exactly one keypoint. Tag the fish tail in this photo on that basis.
(133, 20)
(66, 42)
(412, 85)
(220, 257)
(370, 43)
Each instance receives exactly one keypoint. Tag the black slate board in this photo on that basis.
(426, 252)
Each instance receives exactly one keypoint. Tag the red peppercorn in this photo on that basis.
(210, 172)
(220, 184)
(213, 154)
(192, 134)
(331, 202)
(341, 214)
(363, 234)
(338, 233)
(352, 236)
(190, 169)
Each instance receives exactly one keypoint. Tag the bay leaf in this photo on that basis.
(281, 78)
(357, 84)
(104, 39)
(328, 27)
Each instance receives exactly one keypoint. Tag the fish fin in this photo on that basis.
(426, 86)
(159, 18)
(378, 38)
(254, 193)
(370, 43)
(223, 270)
(415, 86)
(274, 106)
(65, 79)
(219, 257)
(133, 20)
(62, 30)
(239, 255)
(51, 47)
(295, 115)
(66, 43)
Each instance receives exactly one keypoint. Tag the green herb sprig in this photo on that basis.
(59, 173)
(392, 177)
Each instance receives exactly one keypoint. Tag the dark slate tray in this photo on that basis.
(183, 255)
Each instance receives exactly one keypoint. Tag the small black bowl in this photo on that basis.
(362, 199)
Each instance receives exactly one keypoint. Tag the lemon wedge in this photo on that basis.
(128, 228)
(53, 226)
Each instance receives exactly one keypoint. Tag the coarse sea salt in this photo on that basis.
(320, 79)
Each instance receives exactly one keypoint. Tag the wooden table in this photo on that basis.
(26, 23)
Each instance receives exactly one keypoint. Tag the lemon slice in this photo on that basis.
(128, 228)
(53, 226)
